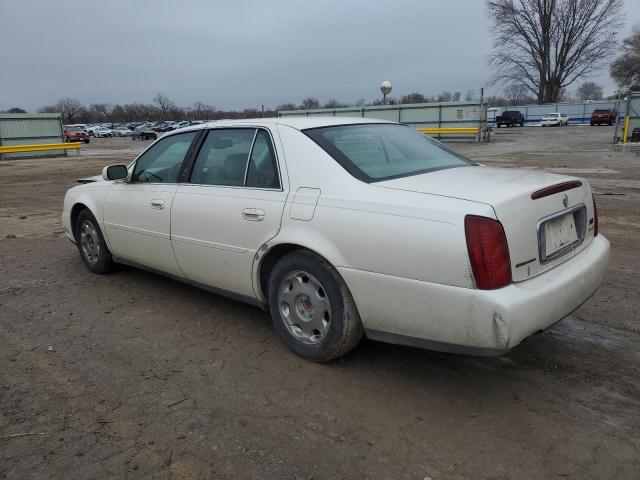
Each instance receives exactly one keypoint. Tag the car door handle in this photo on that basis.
(253, 214)
(157, 204)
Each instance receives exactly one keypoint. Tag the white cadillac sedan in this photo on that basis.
(349, 227)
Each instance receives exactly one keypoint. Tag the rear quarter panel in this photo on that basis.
(361, 226)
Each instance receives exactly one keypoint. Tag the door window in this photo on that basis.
(162, 162)
(224, 155)
(222, 160)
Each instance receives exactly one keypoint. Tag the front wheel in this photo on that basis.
(93, 249)
(312, 308)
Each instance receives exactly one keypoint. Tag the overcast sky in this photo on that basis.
(239, 54)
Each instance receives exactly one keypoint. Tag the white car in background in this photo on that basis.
(102, 132)
(122, 132)
(343, 227)
(554, 120)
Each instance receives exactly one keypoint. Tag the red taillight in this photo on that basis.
(488, 252)
(595, 216)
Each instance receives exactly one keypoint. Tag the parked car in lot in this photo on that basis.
(102, 132)
(122, 131)
(368, 227)
(510, 118)
(165, 127)
(555, 119)
(600, 116)
(143, 132)
(91, 129)
(73, 133)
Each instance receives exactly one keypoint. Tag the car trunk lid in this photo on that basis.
(541, 232)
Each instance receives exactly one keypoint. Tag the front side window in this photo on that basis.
(377, 152)
(162, 162)
(236, 157)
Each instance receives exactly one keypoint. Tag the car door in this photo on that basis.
(137, 213)
(230, 206)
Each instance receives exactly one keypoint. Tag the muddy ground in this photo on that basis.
(131, 375)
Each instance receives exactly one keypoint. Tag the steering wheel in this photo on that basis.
(151, 174)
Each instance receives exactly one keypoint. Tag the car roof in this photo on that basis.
(297, 122)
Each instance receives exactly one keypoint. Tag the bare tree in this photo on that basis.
(625, 69)
(310, 103)
(515, 93)
(68, 108)
(286, 106)
(589, 91)
(455, 97)
(549, 44)
(496, 101)
(413, 98)
(333, 103)
(469, 95)
(100, 111)
(444, 97)
(164, 104)
(201, 111)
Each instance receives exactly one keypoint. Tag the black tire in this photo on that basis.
(344, 330)
(102, 262)
(86, 140)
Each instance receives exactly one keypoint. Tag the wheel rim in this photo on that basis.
(304, 307)
(89, 242)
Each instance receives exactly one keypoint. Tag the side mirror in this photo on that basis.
(115, 172)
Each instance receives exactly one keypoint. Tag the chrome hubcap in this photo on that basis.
(89, 242)
(304, 307)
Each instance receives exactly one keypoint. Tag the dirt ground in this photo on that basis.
(131, 375)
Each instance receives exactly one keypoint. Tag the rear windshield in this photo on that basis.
(377, 152)
(74, 129)
(601, 111)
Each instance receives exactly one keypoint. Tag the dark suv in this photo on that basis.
(510, 118)
(600, 116)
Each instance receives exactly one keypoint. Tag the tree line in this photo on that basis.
(162, 108)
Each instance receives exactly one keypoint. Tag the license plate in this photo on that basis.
(559, 232)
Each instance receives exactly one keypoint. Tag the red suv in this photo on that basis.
(75, 134)
(598, 117)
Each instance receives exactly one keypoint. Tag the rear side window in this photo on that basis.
(236, 157)
(263, 170)
(377, 152)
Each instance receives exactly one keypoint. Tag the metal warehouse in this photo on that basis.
(30, 129)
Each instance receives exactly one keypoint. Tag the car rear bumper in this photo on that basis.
(478, 322)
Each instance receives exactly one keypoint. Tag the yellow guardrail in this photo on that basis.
(448, 131)
(43, 147)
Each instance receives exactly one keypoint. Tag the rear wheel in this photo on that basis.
(312, 308)
(93, 249)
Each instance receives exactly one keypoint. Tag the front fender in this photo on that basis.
(91, 196)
